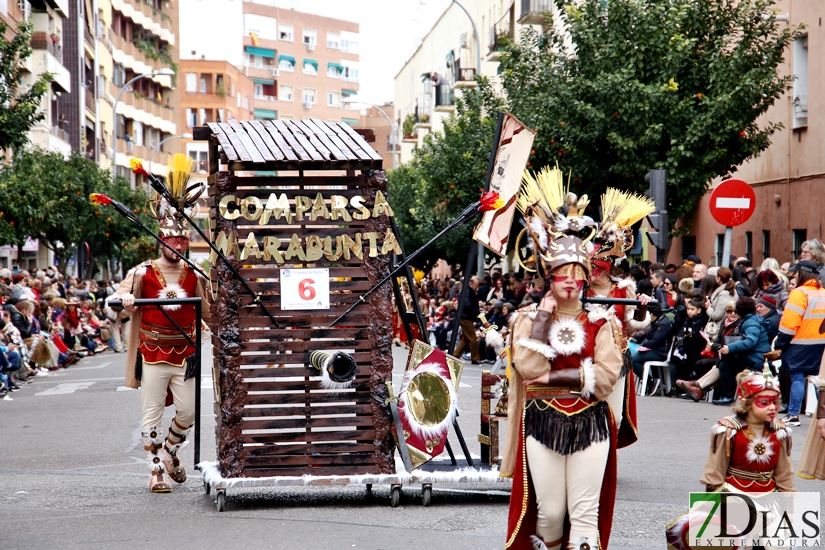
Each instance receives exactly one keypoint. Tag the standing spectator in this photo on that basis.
(700, 271)
(768, 283)
(770, 264)
(441, 88)
(814, 251)
(657, 280)
(800, 342)
(469, 314)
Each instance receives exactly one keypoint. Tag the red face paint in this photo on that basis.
(765, 402)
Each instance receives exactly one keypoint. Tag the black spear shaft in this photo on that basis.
(158, 186)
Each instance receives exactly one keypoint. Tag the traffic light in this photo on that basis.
(658, 232)
(658, 191)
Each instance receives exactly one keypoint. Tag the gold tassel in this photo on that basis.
(625, 208)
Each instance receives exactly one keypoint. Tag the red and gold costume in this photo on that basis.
(561, 445)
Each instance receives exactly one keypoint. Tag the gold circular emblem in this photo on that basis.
(428, 399)
(567, 336)
(759, 448)
(171, 294)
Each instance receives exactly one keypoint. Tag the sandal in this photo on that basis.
(175, 470)
(158, 483)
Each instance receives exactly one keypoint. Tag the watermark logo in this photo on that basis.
(754, 519)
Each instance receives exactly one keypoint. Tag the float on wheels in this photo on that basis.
(301, 397)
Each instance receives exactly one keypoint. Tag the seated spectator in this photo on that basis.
(654, 340)
(766, 307)
(745, 353)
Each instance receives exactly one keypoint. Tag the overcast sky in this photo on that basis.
(390, 32)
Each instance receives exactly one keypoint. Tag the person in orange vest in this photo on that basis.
(801, 339)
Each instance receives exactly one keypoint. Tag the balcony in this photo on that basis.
(132, 57)
(144, 15)
(463, 78)
(147, 111)
(51, 138)
(502, 31)
(87, 35)
(532, 11)
(91, 102)
(47, 57)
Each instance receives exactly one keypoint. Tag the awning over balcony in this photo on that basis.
(286, 58)
(311, 62)
(350, 121)
(264, 81)
(263, 52)
(266, 114)
(335, 66)
(349, 92)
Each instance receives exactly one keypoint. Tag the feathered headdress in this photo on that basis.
(620, 210)
(560, 232)
(184, 194)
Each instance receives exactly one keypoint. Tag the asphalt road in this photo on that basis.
(72, 475)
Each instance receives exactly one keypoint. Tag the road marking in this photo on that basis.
(104, 365)
(463, 385)
(125, 388)
(729, 202)
(70, 387)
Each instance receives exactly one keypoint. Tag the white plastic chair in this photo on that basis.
(811, 399)
(660, 366)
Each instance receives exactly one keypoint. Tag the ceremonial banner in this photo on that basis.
(512, 154)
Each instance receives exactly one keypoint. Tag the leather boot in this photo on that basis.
(158, 482)
(693, 389)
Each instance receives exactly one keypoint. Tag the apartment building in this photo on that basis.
(789, 177)
(374, 120)
(450, 49)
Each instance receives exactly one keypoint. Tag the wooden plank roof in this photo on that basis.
(309, 144)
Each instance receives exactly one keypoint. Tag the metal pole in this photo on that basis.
(198, 346)
(170, 138)
(475, 32)
(393, 127)
(114, 111)
(726, 247)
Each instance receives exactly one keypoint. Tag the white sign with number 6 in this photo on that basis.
(305, 289)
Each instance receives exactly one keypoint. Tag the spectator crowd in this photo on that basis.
(51, 322)
(707, 324)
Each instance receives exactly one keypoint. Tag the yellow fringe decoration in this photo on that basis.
(625, 208)
(180, 168)
(545, 189)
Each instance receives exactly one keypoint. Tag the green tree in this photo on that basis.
(634, 85)
(20, 110)
(446, 175)
(46, 197)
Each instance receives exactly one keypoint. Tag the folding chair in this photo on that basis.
(660, 366)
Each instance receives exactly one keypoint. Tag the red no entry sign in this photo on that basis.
(732, 202)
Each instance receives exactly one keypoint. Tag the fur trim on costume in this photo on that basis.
(153, 437)
(538, 230)
(760, 450)
(138, 271)
(171, 291)
(783, 432)
(589, 378)
(494, 339)
(155, 463)
(598, 314)
(537, 543)
(499, 388)
(538, 347)
(110, 313)
(440, 429)
(717, 429)
(635, 325)
(627, 283)
(567, 336)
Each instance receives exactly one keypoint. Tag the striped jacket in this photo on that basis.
(802, 329)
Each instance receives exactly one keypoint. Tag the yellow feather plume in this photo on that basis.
(625, 208)
(180, 169)
(545, 189)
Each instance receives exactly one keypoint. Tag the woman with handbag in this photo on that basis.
(746, 352)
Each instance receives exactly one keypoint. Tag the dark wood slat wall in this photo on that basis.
(284, 422)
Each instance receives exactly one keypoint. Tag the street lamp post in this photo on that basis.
(170, 138)
(393, 127)
(162, 72)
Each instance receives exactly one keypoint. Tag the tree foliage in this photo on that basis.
(46, 196)
(20, 111)
(636, 85)
(624, 87)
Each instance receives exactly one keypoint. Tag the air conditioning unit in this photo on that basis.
(274, 72)
(311, 46)
(307, 105)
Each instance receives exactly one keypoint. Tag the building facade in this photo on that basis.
(450, 49)
(371, 118)
(789, 177)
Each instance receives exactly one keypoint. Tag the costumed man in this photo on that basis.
(164, 360)
(560, 450)
(614, 237)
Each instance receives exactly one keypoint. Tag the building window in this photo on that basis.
(766, 245)
(259, 90)
(688, 246)
(191, 83)
(202, 88)
(285, 33)
(118, 75)
(349, 42)
(137, 128)
(201, 159)
(720, 249)
(286, 93)
(309, 38)
(285, 117)
(749, 245)
(286, 65)
(244, 102)
(333, 40)
(350, 74)
(334, 70)
(800, 85)
(310, 66)
(257, 61)
(799, 237)
(309, 96)
(334, 99)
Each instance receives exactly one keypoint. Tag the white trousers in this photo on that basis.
(153, 383)
(616, 400)
(568, 484)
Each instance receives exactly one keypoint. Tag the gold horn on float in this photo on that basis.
(338, 369)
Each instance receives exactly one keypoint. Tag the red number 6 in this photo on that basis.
(305, 289)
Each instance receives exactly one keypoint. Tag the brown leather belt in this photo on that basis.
(154, 335)
(543, 392)
(751, 475)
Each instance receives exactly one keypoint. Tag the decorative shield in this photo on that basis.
(428, 401)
